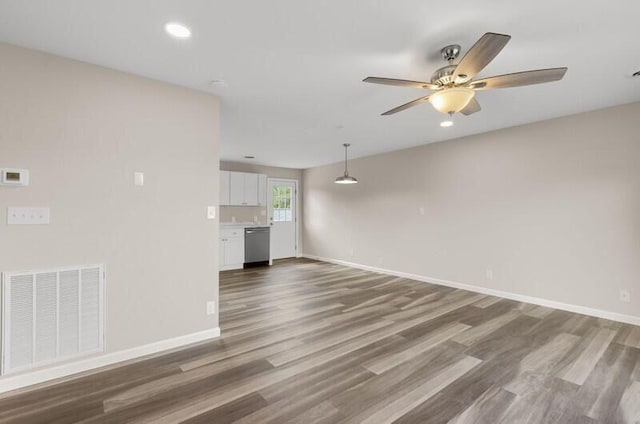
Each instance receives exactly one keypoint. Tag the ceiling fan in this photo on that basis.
(454, 85)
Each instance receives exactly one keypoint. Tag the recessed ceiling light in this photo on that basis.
(177, 30)
(446, 124)
(217, 82)
(249, 157)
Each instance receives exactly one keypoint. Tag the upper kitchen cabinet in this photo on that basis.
(262, 190)
(224, 188)
(247, 189)
(236, 188)
(251, 189)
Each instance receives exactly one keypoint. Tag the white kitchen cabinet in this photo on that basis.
(221, 263)
(262, 190)
(234, 252)
(250, 189)
(231, 249)
(236, 188)
(247, 189)
(243, 189)
(224, 188)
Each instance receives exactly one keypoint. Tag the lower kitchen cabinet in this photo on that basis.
(231, 249)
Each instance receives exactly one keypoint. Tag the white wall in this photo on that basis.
(553, 208)
(82, 131)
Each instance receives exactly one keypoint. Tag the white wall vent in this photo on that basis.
(51, 315)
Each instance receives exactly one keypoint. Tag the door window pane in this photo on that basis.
(282, 204)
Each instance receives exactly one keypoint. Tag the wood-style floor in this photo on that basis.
(311, 342)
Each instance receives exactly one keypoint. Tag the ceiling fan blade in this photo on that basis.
(519, 79)
(480, 55)
(401, 83)
(472, 107)
(407, 105)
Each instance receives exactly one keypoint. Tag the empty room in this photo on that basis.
(351, 211)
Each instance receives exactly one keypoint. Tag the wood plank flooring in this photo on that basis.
(311, 342)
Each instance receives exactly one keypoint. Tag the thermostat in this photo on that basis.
(14, 177)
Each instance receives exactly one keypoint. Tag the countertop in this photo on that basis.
(241, 225)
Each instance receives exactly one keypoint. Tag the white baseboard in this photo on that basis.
(18, 381)
(613, 316)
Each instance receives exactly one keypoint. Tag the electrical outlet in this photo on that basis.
(625, 296)
(489, 274)
(211, 212)
(211, 307)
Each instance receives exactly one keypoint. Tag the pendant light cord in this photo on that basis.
(346, 169)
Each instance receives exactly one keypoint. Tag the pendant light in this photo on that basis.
(346, 178)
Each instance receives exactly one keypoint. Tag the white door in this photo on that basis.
(281, 199)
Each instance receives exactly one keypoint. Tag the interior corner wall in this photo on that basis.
(551, 208)
(82, 131)
(270, 171)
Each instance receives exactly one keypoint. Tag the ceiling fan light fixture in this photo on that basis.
(454, 85)
(451, 100)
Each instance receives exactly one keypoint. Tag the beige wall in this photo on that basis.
(83, 131)
(248, 213)
(553, 208)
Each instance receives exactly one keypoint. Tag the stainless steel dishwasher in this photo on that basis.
(256, 246)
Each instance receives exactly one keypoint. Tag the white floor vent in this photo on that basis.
(52, 315)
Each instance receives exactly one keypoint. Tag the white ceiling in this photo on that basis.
(294, 67)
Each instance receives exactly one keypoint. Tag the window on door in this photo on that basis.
(282, 204)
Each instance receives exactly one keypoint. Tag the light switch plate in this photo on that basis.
(211, 307)
(211, 212)
(28, 216)
(138, 178)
